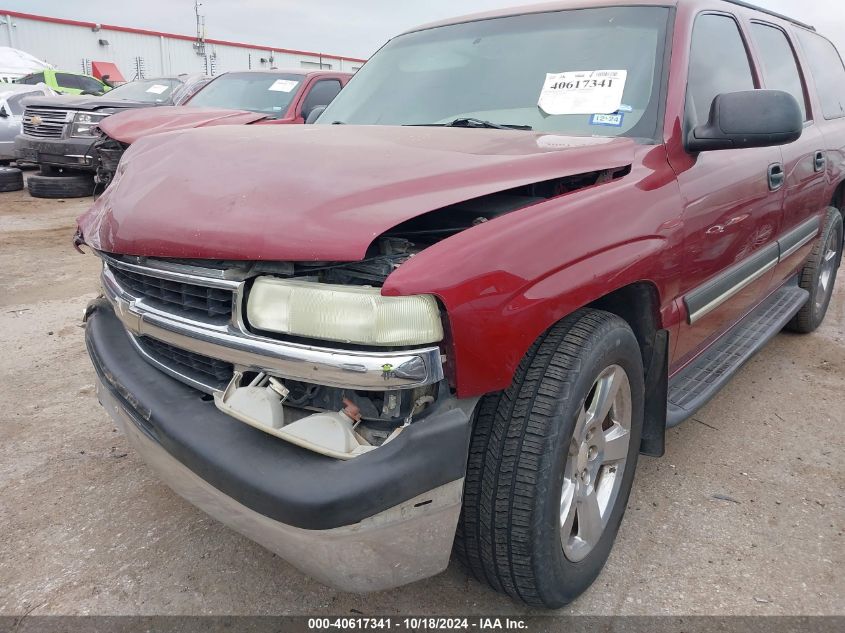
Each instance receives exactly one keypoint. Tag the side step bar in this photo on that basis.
(697, 383)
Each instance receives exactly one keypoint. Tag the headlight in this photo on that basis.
(84, 123)
(349, 314)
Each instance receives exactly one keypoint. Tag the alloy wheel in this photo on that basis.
(595, 463)
(827, 270)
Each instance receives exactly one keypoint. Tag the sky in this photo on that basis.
(355, 28)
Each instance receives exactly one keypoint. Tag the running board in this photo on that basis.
(702, 379)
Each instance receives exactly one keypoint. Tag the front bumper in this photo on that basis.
(73, 153)
(382, 520)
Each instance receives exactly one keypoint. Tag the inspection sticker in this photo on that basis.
(613, 120)
(157, 89)
(583, 92)
(283, 85)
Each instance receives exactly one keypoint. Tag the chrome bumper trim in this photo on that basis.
(403, 544)
(350, 369)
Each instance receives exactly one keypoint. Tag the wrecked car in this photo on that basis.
(452, 314)
(58, 131)
(277, 97)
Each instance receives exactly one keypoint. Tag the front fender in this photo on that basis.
(506, 281)
(489, 344)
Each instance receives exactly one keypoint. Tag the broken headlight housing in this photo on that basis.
(85, 124)
(349, 314)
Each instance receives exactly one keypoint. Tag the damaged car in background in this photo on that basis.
(274, 97)
(58, 132)
(454, 312)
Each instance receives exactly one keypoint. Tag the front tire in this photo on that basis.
(552, 460)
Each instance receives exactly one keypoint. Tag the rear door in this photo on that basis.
(805, 160)
(826, 76)
(733, 198)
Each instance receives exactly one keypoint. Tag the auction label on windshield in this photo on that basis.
(283, 85)
(583, 92)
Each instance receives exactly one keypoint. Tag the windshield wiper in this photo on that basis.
(475, 123)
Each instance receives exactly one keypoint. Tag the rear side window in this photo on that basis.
(64, 80)
(31, 80)
(718, 64)
(88, 84)
(321, 94)
(828, 72)
(780, 67)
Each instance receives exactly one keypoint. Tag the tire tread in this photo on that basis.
(506, 458)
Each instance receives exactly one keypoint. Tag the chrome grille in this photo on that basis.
(45, 122)
(208, 374)
(176, 296)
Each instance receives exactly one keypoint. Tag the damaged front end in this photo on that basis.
(340, 398)
(311, 352)
(107, 153)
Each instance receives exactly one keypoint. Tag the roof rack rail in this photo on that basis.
(748, 5)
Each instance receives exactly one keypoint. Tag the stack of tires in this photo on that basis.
(11, 179)
(51, 183)
(48, 183)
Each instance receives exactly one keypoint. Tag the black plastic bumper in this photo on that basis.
(268, 475)
(72, 153)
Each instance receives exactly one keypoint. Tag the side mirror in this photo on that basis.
(4, 113)
(314, 114)
(754, 118)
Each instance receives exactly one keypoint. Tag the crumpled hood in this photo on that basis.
(131, 125)
(314, 192)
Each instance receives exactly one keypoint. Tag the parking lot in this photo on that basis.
(744, 515)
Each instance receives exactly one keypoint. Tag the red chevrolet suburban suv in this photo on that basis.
(451, 314)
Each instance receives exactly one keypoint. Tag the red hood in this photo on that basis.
(131, 125)
(314, 192)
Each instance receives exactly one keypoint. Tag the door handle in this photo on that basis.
(820, 161)
(776, 176)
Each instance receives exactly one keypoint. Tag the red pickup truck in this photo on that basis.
(272, 97)
(513, 250)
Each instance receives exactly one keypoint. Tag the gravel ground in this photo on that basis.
(743, 516)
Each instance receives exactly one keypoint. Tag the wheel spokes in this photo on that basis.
(604, 393)
(616, 442)
(568, 509)
(590, 524)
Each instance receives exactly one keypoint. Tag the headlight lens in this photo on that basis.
(84, 123)
(349, 314)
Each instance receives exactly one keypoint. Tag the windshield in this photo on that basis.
(598, 71)
(146, 90)
(266, 93)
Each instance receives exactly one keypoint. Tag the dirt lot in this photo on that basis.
(744, 514)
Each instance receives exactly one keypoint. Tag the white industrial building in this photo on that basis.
(74, 45)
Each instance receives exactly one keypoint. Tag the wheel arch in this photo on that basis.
(638, 304)
(838, 201)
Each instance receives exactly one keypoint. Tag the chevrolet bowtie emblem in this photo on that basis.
(36, 120)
